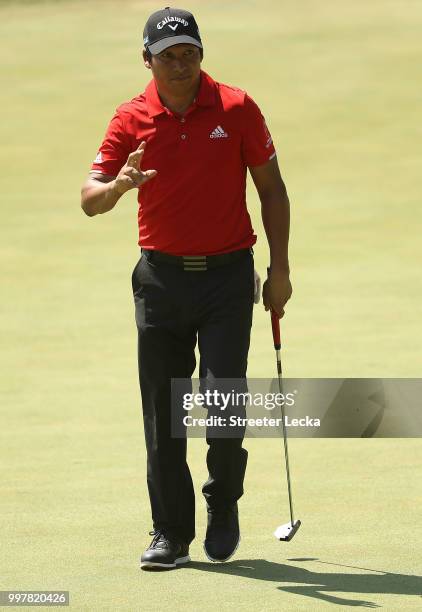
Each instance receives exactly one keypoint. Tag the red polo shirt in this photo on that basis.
(196, 205)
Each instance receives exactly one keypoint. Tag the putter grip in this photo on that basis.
(275, 324)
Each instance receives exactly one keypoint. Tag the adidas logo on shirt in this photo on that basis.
(218, 132)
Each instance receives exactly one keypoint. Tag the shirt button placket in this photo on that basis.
(184, 135)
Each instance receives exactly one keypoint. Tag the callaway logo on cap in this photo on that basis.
(170, 26)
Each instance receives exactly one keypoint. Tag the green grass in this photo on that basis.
(338, 84)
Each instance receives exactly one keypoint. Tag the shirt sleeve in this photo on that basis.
(257, 144)
(114, 150)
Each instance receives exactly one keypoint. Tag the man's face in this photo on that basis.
(177, 67)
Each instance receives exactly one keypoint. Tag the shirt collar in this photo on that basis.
(206, 95)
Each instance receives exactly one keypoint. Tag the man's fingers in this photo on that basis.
(134, 158)
(278, 311)
(139, 177)
(134, 174)
(276, 300)
(130, 171)
(147, 175)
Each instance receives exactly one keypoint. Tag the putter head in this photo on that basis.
(287, 531)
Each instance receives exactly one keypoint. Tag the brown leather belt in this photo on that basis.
(195, 263)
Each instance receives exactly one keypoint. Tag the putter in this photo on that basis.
(287, 531)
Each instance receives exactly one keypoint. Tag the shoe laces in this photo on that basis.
(159, 535)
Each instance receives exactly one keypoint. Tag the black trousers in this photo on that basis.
(174, 309)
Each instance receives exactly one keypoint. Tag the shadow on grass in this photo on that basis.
(319, 584)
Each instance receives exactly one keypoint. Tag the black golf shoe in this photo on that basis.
(164, 552)
(223, 535)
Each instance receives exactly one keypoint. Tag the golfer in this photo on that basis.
(185, 145)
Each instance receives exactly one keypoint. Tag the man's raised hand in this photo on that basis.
(131, 175)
